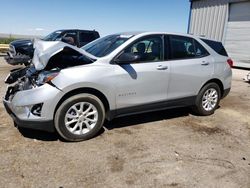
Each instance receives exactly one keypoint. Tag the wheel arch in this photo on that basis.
(218, 82)
(88, 90)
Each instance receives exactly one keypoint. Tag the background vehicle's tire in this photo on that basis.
(79, 117)
(207, 100)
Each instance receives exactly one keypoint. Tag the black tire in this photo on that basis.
(198, 108)
(59, 119)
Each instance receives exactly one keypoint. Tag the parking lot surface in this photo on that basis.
(170, 148)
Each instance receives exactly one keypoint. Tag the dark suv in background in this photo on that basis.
(21, 51)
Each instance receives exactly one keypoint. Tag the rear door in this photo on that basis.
(191, 67)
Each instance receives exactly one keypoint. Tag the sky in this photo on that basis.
(40, 17)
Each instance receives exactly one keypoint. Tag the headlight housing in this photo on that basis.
(46, 76)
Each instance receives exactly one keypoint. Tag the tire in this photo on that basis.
(72, 118)
(203, 98)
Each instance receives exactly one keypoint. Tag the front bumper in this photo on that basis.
(17, 59)
(37, 125)
(20, 106)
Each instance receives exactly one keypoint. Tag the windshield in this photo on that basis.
(53, 36)
(104, 46)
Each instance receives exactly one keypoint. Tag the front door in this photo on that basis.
(146, 81)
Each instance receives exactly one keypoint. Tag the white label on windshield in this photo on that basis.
(125, 36)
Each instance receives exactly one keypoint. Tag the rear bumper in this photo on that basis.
(37, 125)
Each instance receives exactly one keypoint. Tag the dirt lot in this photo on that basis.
(162, 149)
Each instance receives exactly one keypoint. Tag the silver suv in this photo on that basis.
(73, 90)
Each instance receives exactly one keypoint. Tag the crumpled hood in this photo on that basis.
(44, 50)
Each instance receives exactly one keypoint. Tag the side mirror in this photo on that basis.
(127, 58)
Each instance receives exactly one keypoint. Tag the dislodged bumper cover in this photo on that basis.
(44, 50)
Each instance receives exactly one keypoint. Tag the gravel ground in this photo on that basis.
(169, 148)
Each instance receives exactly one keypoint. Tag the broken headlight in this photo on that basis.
(46, 76)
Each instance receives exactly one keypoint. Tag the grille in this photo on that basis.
(12, 50)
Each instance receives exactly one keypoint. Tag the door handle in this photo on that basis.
(205, 63)
(161, 67)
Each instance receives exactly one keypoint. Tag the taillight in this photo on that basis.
(230, 62)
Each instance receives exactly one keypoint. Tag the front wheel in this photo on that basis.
(207, 100)
(80, 117)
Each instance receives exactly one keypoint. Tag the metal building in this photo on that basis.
(227, 21)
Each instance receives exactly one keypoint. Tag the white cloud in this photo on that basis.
(36, 29)
(39, 29)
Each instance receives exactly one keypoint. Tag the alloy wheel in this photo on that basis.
(210, 99)
(81, 118)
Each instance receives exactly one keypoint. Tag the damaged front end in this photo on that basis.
(27, 78)
(31, 90)
(18, 81)
(49, 58)
(26, 96)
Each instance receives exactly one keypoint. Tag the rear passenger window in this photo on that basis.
(186, 48)
(87, 37)
(181, 47)
(200, 51)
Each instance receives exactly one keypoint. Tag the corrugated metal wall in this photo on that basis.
(237, 40)
(227, 21)
(208, 18)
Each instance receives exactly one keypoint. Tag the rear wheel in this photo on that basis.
(207, 100)
(80, 117)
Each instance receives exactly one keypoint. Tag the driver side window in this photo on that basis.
(71, 36)
(148, 49)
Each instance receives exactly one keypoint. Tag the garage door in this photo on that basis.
(237, 41)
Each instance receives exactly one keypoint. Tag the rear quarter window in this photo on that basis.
(216, 46)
